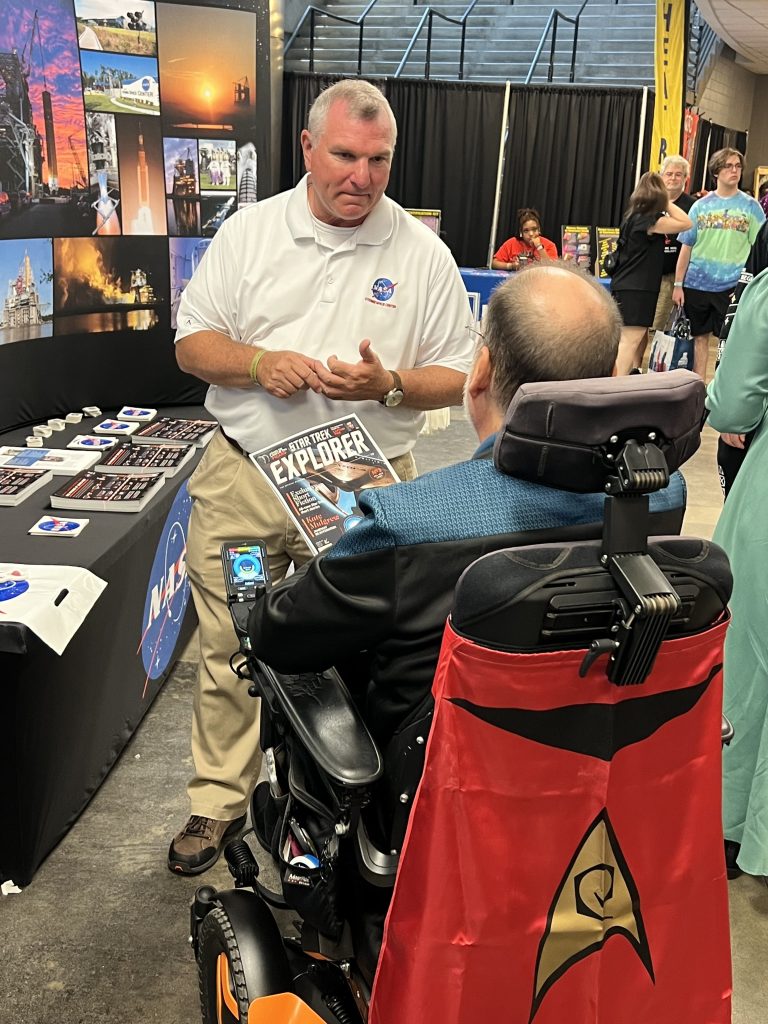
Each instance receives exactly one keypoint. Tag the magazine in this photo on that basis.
(60, 461)
(108, 492)
(147, 458)
(170, 430)
(319, 473)
(16, 485)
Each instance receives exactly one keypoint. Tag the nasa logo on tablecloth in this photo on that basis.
(168, 590)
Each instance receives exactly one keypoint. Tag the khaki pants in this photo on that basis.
(231, 502)
(664, 304)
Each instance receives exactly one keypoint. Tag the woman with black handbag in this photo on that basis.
(637, 276)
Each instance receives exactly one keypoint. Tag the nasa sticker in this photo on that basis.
(52, 526)
(115, 427)
(131, 413)
(91, 442)
(167, 590)
(382, 291)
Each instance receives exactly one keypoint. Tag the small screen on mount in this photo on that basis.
(245, 567)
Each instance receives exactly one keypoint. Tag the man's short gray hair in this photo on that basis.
(530, 339)
(675, 161)
(364, 103)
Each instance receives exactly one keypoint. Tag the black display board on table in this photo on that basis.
(65, 720)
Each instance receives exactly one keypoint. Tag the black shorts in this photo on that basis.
(706, 310)
(638, 309)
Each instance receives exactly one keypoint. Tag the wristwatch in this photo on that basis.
(394, 396)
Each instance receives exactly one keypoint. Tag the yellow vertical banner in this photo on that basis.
(669, 68)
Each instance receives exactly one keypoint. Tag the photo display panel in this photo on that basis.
(127, 138)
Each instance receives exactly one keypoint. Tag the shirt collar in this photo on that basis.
(375, 229)
(485, 449)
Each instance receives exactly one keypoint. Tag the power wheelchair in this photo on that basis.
(561, 663)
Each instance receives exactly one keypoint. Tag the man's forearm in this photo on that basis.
(432, 387)
(216, 359)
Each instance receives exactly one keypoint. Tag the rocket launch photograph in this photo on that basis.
(43, 155)
(142, 187)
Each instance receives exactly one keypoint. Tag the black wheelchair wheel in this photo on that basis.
(224, 996)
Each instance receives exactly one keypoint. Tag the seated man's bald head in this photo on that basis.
(551, 322)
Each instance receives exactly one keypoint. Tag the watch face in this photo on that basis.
(393, 398)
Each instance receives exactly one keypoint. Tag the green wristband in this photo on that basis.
(255, 365)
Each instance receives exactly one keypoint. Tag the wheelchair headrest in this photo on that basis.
(568, 434)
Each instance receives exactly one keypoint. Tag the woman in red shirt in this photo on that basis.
(527, 246)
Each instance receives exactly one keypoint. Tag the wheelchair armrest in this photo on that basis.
(320, 711)
(377, 868)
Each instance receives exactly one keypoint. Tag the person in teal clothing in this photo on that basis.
(713, 252)
(737, 400)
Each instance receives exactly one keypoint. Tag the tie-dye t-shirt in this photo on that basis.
(722, 235)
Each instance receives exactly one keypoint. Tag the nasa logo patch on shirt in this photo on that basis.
(382, 291)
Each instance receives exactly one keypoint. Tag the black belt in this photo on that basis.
(232, 442)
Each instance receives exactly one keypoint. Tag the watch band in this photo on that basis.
(394, 396)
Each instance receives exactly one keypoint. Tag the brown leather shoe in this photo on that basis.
(198, 846)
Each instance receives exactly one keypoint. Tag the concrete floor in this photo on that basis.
(100, 934)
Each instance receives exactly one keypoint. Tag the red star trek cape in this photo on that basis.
(564, 859)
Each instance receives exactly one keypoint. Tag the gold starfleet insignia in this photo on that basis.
(597, 898)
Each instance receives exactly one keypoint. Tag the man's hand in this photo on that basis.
(678, 296)
(354, 382)
(283, 373)
(734, 440)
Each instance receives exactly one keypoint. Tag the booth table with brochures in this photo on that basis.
(65, 719)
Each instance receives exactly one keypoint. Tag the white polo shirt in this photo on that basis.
(265, 280)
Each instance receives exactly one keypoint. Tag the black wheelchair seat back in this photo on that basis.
(558, 597)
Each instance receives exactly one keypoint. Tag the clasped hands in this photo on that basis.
(284, 372)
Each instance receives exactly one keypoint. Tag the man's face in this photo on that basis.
(674, 179)
(349, 166)
(730, 175)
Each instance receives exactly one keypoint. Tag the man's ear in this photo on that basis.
(306, 148)
(481, 373)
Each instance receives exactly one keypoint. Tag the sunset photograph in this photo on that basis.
(208, 91)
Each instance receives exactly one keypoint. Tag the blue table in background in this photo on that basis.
(480, 282)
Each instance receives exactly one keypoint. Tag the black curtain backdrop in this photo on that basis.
(718, 137)
(448, 140)
(571, 153)
(447, 157)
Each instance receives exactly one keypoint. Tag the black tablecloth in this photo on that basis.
(65, 719)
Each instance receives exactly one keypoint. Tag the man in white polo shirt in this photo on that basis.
(318, 302)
